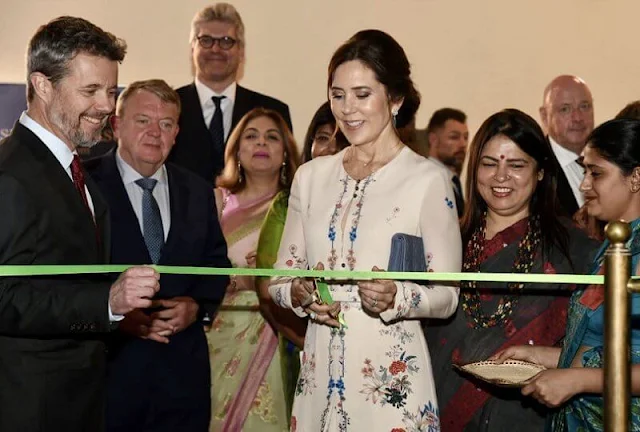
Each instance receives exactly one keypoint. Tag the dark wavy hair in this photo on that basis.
(323, 116)
(631, 110)
(230, 176)
(386, 58)
(618, 141)
(525, 132)
(56, 43)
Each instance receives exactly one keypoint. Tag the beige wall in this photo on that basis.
(478, 55)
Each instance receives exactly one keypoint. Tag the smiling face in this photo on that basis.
(360, 104)
(506, 178)
(146, 131)
(214, 64)
(607, 191)
(261, 148)
(79, 105)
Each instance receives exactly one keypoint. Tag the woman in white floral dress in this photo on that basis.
(375, 373)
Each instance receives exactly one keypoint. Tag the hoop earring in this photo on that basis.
(240, 179)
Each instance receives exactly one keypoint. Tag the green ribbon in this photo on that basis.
(50, 270)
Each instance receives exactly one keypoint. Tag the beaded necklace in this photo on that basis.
(471, 301)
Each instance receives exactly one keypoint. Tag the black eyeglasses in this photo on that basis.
(225, 42)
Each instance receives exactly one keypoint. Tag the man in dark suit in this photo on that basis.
(159, 374)
(567, 117)
(52, 357)
(214, 103)
(448, 137)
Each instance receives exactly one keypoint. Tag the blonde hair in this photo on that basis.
(230, 176)
(223, 12)
(156, 86)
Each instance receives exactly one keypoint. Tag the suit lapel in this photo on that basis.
(240, 106)
(565, 193)
(101, 217)
(123, 216)
(59, 184)
(178, 202)
(193, 112)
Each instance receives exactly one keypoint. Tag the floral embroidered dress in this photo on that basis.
(247, 389)
(539, 318)
(375, 374)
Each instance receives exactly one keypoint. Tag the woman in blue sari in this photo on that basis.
(574, 380)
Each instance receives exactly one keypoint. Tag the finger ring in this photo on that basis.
(375, 303)
(313, 315)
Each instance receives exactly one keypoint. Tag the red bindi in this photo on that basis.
(501, 156)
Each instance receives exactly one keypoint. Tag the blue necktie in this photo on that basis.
(151, 219)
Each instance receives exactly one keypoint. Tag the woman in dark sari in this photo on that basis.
(509, 226)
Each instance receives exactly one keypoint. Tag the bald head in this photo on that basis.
(567, 112)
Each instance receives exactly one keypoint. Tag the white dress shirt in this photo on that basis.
(208, 107)
(571, 168)
(160, 192)
(64, 155)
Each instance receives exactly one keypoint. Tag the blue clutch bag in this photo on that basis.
(407, 254)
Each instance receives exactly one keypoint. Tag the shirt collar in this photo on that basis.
(205, 93)
(440, 164)
(60, 150)
(565, 157)
(130, 175)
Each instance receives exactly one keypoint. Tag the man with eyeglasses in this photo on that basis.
(214, 103)
(567, 117)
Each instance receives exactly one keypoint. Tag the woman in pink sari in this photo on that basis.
(247, 388)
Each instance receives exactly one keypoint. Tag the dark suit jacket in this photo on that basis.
(194, 145)
(568, 203)
(194, 239)
(52, 362)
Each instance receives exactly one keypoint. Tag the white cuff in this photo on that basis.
(114, 318)
(404, 296)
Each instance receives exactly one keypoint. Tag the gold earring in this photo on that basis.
(239, 172)
(283, 173)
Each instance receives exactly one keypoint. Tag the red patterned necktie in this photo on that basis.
(78, 179)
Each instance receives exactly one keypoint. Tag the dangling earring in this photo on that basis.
(394, 117)
(283, 174)
(239, 172)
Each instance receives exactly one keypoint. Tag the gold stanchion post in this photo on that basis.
(616, 328)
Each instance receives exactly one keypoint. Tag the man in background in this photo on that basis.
(159, 374)
(448, 139)
(567, 117)
(214, 103)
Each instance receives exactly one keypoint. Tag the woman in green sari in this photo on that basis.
(574, 379)
(322, 139)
